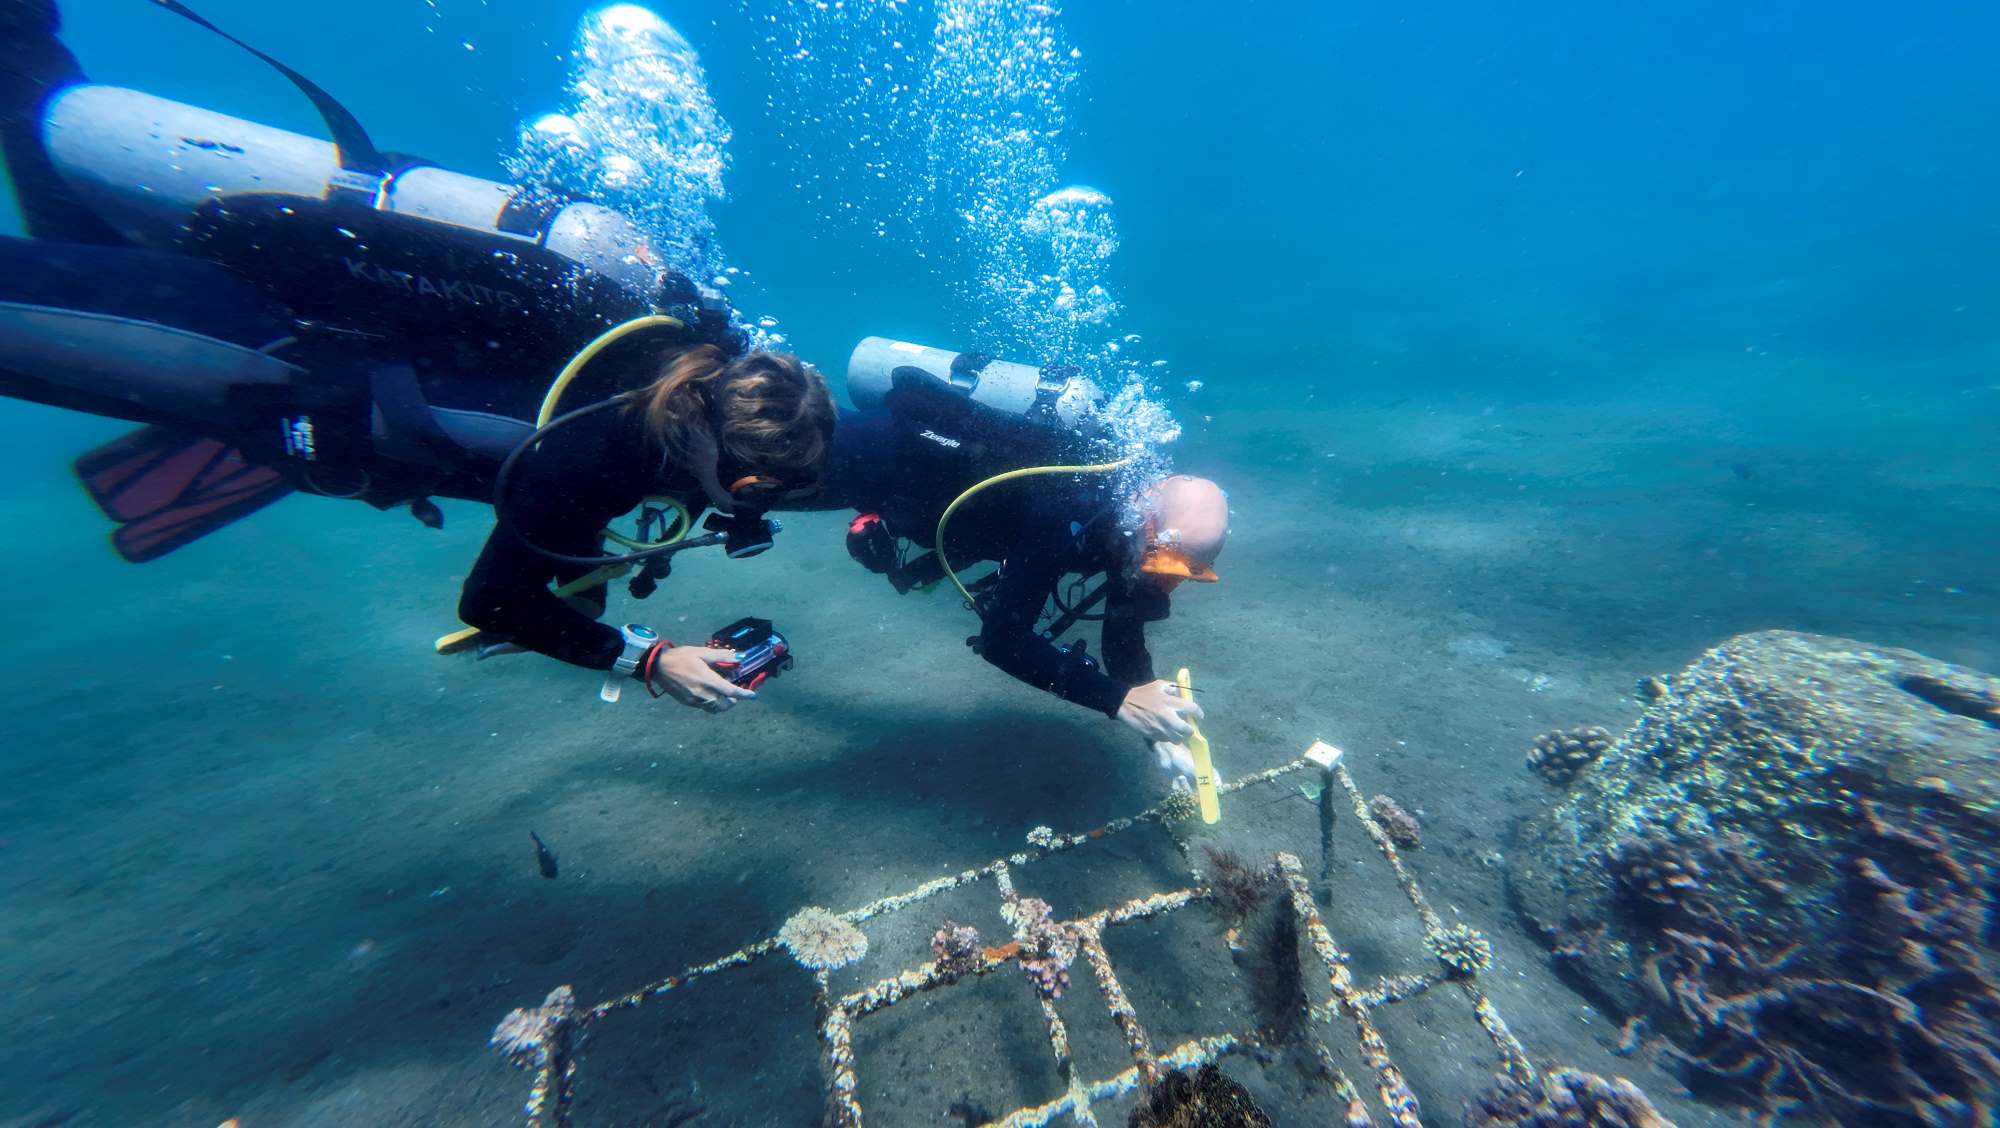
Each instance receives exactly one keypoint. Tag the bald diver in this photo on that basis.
(944, 433)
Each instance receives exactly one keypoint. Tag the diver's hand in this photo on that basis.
(1156, 712)
(683, 673)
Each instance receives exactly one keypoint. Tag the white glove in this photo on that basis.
(1177, 759)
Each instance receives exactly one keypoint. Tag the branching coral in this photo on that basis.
(1557, 756)
(1658, 876)
(1665, 879)
(1570, 1098)
(1910, 1036)
(1575, 940)
(1401, 826)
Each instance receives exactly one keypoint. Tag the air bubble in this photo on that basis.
(640, 135)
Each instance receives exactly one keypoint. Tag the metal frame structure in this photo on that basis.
(546, 1039)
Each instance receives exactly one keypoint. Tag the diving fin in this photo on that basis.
(166, 488)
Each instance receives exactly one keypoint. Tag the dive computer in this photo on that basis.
(639, 642)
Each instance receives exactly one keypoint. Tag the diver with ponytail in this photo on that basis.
(707, 432)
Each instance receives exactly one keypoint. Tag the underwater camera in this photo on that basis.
(762, 652)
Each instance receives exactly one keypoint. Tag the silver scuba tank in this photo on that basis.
(145, 163)
(1053, 395)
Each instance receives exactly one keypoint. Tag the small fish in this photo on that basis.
(545, 858)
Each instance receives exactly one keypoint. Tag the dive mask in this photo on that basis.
(748, 491)
(1172, 567)
(1168, 563)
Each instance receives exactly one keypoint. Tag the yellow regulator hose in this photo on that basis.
(944, 519)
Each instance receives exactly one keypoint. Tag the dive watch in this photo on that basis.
(639, 642)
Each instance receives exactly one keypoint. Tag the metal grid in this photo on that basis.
(545, 1039)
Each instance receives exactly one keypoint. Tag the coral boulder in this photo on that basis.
(1780, 866)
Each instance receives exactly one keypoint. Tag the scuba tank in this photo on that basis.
(1053, 395)
(146, 165)
(479, 289)
(412, 250)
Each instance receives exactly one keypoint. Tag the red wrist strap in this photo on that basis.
(646, 667)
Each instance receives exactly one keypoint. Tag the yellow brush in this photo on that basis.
(1204, 768)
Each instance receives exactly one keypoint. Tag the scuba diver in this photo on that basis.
(281, 314)
(935, 460)
(762, 423)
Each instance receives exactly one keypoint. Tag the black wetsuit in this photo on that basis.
(909, 462)
(568, 488)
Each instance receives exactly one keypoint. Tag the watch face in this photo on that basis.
(640, 634)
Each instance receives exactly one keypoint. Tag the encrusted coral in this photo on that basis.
(1557, 756)
(1570, 1098)
(1179, 806)
(822, 941)
(1042, 837)
(1460, 948)
(1050, 972)
(1207, 1099)
(526, 1034)
(1047, 947)
(955, 947)
(1400, 825)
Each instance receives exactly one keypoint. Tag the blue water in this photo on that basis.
(1550, 341)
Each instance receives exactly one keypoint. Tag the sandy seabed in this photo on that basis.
(268, 856)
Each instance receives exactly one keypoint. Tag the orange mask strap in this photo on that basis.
(753, 481)
(1168, 564)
